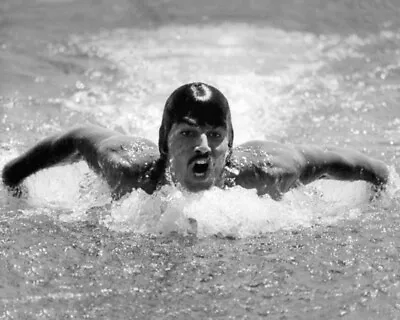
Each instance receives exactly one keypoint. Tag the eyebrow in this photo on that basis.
(194, 123)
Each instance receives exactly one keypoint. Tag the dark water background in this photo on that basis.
(323, 72)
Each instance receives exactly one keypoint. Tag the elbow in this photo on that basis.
(381, 174)
(377, 174)
(311, 173)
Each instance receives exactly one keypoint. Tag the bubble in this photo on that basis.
(237, 212)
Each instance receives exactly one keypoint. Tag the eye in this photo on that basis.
(214, 134)
(188, 133)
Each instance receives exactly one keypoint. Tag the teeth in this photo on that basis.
(199, 174)
(201, 161)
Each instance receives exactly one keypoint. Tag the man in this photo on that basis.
(195, 151)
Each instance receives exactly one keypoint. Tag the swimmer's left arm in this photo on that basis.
(341, 164)
(273, 168)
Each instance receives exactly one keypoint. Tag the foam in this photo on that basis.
(238, 212)
(74, 193)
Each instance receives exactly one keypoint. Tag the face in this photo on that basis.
(197, 155)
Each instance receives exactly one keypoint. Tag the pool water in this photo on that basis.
(313, 72)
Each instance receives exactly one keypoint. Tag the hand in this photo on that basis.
(377, 190)
(19, 191)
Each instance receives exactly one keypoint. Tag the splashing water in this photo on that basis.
(257, 90)
(307, 72)
(80, 195)
(238, 212)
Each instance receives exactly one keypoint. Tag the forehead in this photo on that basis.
(187, 122)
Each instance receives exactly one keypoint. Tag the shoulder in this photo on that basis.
(126, 162)
(112, 151)
(105, 141)
(267, 166)
(130, 163)
(131, 151)
(265, 153)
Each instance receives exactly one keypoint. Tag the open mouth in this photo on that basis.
(200, 167)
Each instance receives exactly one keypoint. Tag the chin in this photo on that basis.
(197, 186)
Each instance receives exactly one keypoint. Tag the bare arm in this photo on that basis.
(57, 149)
(341, 164)
(104, 150)
(273, 168)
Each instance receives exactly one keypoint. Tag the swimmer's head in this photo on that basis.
(199, 103)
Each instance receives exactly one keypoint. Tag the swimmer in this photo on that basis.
(195, 152)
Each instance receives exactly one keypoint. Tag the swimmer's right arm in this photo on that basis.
(67, 147)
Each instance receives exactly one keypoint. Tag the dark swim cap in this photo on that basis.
(200, 102)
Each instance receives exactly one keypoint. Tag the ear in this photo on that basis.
(163, 142)
(228, 157)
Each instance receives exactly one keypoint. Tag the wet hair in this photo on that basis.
(198, 102)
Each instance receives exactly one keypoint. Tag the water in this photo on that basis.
(321, 72)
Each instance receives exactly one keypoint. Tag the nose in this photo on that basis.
(202, 146)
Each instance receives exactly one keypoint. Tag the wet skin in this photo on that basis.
(196, 161)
